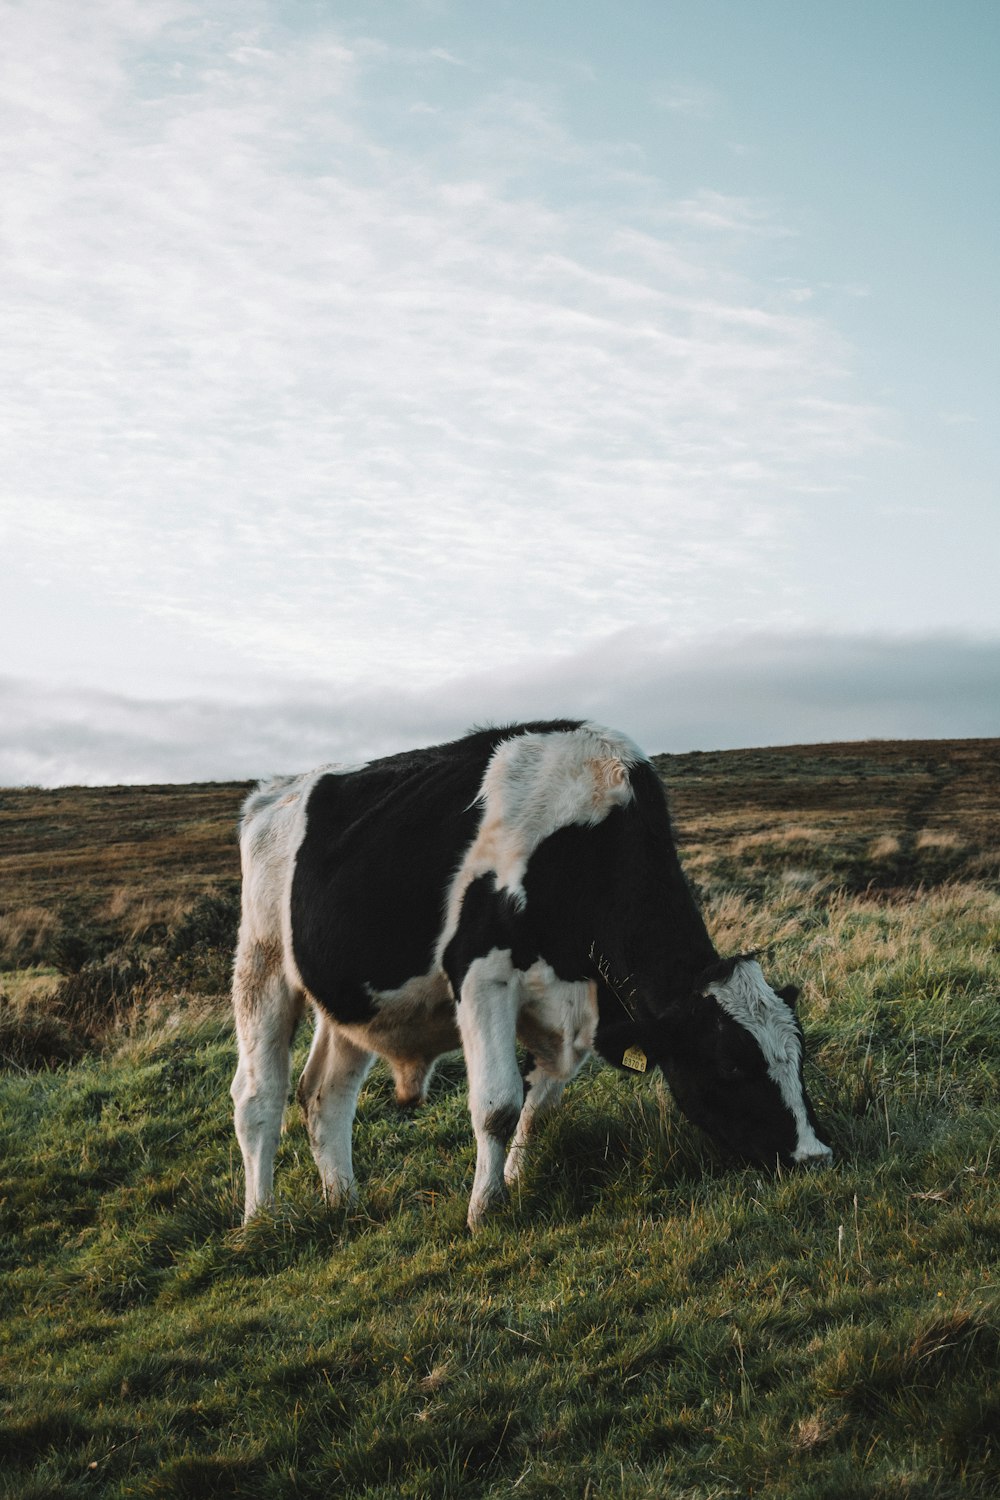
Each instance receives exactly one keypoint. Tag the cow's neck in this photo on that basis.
(647, 970)
(658, 986)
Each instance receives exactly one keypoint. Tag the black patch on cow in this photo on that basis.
(611, 901)
(488, 920)
(380, 851)
(502, 1122)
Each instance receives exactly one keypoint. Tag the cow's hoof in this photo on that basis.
(485, 1206)
(255, 1206)
(340, 1194)
(513, 1166)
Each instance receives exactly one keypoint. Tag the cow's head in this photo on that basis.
(734, 1065)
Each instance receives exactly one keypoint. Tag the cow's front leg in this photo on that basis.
(328, 1093)
(487, 1019)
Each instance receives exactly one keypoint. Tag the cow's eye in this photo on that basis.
(739, 1061)
(740, 1064)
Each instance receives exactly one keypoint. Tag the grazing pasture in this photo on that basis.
(644, 1319)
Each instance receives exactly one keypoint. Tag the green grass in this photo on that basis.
(645, 1319)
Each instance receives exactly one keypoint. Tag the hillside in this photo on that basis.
(882, 814)
(647, 1318)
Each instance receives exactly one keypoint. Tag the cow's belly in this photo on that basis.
(417, 1021)
(413, 1025)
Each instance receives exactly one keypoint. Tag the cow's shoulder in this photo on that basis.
(540, 782)
(546, 865)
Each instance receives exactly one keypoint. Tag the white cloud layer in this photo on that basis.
(342, 368)
(756, 690)
(361, 380)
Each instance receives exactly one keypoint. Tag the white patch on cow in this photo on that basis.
(268, 994)
(535, 784)
(747, 997)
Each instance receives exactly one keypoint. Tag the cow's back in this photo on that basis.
(378, 852)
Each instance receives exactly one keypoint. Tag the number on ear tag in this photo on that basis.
(635, 1059)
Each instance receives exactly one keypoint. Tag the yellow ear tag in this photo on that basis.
(635, 1059)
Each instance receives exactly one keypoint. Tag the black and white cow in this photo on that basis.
(518, 884)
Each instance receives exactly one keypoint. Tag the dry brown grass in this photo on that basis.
(941, 838)
(773, 827)
(159, 839)
(812, 1433)
(22, 987)
(890, 816)
(25, 933)
(125, 858)
(795, 835)
(137, 915)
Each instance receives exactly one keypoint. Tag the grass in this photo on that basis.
(644, 1320)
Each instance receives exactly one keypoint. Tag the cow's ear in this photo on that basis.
(789, 994)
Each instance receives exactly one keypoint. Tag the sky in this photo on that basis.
(368, 371)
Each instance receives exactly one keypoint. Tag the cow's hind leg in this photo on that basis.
(544, 1093)
(487, 1019)
(558, 1027)
(267, 1011)
(328, 1092)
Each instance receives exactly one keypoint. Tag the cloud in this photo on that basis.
(758, 689)
(716, 211)
(339, 388)
(695, 101)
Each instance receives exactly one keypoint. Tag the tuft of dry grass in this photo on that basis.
(26, 934)
(816, 1431)
(938, 838)
(885, 846)
(137, 915)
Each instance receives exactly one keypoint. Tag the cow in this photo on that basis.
(520, 884)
